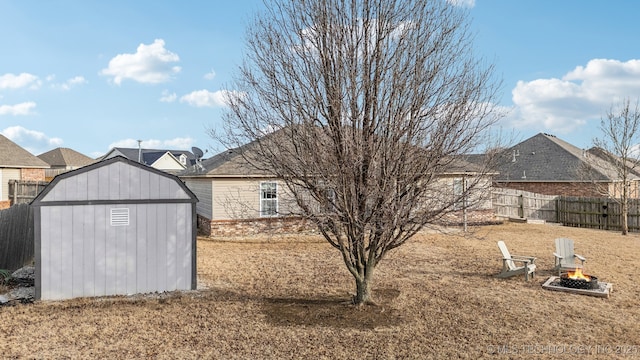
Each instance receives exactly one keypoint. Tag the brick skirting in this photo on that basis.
(553, 188)
(247, 227)
(294, 225)
(474, 218)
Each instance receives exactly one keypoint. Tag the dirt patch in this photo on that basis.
(334, 312)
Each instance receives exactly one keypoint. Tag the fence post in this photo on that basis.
(15, 191)
(605, 211)
(521, 206)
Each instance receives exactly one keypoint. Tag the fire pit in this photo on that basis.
(577, 280)
(578, 283)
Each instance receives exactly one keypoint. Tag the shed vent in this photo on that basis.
(120, 217)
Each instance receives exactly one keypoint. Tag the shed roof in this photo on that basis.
(14, 156)
(114, 180)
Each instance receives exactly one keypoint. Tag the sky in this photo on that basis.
(92, 75)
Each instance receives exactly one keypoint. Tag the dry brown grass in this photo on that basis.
(436, 298)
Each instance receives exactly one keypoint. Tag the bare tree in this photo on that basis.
(359, 107)
(618, 149)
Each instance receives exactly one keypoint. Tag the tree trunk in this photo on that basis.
(625, 217)
(363, 291)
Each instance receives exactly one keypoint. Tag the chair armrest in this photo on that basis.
(522, 258)
(558, 256)
(526, 261)
(582, 258)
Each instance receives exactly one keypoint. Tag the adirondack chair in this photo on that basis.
(565, 257)
(509, 267)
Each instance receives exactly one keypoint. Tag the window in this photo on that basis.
(183, 159)
(268, 199)
(458, 190)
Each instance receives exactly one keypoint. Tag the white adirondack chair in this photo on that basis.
(565, 257)
(509, 266)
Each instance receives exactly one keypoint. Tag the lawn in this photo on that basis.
(436, 297)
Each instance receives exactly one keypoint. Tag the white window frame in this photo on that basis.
(264, 199)
(183, 159)
(458, 190)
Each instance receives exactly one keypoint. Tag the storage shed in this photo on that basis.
(115, 227)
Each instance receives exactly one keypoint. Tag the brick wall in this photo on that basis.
(32, 175)
(5, 204)
(247, 227)
(476, 217)
(558, 188)
(291, 225)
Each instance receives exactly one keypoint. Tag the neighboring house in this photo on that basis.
(62, 160)
(171, 161)
(545, 164)
(235, 199)
(17, 163)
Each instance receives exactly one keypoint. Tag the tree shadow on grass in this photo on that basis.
(335, 312)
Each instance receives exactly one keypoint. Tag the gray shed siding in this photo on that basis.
(82, 254)
(117, 181)
(81, 251)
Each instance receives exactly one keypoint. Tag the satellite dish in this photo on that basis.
(197, 152)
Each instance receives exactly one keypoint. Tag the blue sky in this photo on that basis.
(91, 75)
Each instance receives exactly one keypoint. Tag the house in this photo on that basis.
(17, 164)
(171, 161)
(115, 227)
(63, 159)
(545, 164)
(236, 199)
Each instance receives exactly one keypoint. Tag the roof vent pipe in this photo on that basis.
(139, 151)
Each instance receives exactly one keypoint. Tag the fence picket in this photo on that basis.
(16, 237)
(584, 212)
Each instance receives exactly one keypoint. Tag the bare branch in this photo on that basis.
(362, 108)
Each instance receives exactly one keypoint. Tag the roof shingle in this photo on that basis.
(14, 156)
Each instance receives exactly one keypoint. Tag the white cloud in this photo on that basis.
(180, 143)
(35, 142)
(11, 81)
(210, 75)
(206, 98)
(168, 97)
(67, 85)
(584, 93)
(463, 3)
(24, 108)
(150, 64)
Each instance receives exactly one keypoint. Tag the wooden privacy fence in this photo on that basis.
(585, 212)
(523, 204)
(16, 237)
(22, 192)
(597, 213)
